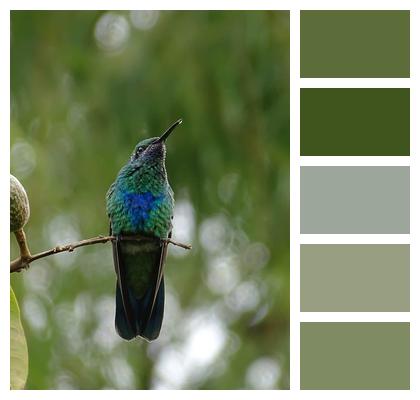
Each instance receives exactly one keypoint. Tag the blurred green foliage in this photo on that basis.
(18, 347)
(85, 88)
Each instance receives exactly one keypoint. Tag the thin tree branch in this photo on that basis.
(23, 244)
(24, 261)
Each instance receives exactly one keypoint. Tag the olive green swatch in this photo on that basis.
(353, 200)
(355, 44)
(354, 355)
(355, 122)
(355, 277)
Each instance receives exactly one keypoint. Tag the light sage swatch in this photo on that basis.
(355, 355)
(355, 200)
(355, 277)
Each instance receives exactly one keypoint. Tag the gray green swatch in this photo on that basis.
(355, 355)
(355, 44)
(355, 277)
(355, 122)
(359, 200)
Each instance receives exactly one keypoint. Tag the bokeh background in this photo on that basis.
(85, 88)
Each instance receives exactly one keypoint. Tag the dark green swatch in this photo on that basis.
(355, 277)
(355, 355)
(355, 44)
(355, 122)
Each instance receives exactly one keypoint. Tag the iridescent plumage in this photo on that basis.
(140, 202)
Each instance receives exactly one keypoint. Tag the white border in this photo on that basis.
(4, 199)
(415, 199)
(354, 82)
(294, 199)
(294, 6)
(355, 161)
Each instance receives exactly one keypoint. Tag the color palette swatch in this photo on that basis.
(355, 44)
(355, 278)
(363, 191)
(355, 122)
(355, 355)
(355, 199)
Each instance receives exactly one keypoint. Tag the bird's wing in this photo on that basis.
(120, 271)
(110, 191)
(159, 274)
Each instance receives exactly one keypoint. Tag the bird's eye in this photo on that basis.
(137, 153)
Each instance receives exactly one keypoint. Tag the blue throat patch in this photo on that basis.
(139, 207)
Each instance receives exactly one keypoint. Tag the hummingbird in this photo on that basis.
(141, 202)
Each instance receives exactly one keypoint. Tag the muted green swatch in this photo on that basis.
(355, 277)
(355, 355)
(355, 122)
(352, 200)
(355, 44)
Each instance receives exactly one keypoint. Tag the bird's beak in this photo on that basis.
(169, 131)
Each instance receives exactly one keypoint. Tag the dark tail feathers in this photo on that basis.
(148, 330)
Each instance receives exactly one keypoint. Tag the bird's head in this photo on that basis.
(152, 150)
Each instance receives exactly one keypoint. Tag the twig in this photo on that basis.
(24, 261)
(23, 244)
